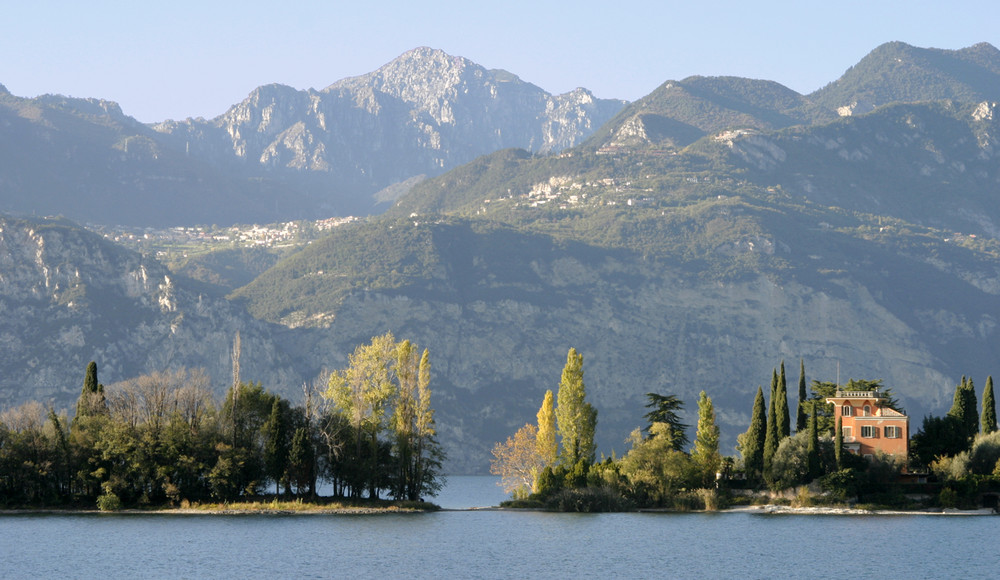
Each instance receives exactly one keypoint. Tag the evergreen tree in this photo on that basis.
(276, 445)
(963, 409)
(972, 406)
(783, 427)
(664, 409)
(989, 416)
(771, 438)
(815, 466)
(576, 419)
(752, 444)
(800, 412)
(938, 437)
(91, 401)
(548, 448)
(838, 445)
(706, 442)
(302, 462)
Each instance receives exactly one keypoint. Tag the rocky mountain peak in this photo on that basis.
(417, 74)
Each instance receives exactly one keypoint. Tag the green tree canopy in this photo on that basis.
(964, 408)
(800, 411)
(989, 416)
(752, 442)
(663, 409)
(771, 436)
(781, 408)
(92, 400)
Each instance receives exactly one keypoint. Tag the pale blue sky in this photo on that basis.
(165, 59)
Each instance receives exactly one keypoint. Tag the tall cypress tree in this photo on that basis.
(302, 462)
(963, 408)
(753, 440)
(815, 467)
(276, 449)
(91, 401)
(771, 437)
(800, 412)
(989, 416)
(838, 445)
(972, 404)
(783, 427)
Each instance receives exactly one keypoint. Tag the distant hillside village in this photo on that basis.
(165, 242)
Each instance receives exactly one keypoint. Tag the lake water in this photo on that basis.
(497, 544)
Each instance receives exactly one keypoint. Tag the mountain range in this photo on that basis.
(692, 240)
(282, 153)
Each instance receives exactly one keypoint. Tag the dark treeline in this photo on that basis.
(162, 439)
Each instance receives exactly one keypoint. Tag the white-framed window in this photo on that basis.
(868, 410)
(847, 411)
(893, 432)
(848, 433)
(869, 432)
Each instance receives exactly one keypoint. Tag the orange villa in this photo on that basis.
(869, 425)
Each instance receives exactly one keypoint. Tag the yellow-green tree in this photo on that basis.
(654, 470)
(548, 449)
(384, 393)
(576, 419)
(706, 454)
(362, 393)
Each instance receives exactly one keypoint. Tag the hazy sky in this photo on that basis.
(174, 59)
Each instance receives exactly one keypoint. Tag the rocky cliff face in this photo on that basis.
(68, 297)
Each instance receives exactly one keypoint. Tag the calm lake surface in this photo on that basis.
(495, 544)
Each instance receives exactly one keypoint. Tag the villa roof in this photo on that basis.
(857, 395)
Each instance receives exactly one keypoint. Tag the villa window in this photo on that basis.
(869, 432)
(848, 433)
(893, 432)
(847, 410)
(868, 411)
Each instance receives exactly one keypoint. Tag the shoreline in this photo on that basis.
(768, 509)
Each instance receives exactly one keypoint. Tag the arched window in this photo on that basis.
(847, 410)
(868, 410)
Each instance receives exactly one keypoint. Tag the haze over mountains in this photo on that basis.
(281, 153)
(691, 240)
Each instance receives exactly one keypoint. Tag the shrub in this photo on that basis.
(710, 499)
(589, 499)
(109, 502)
